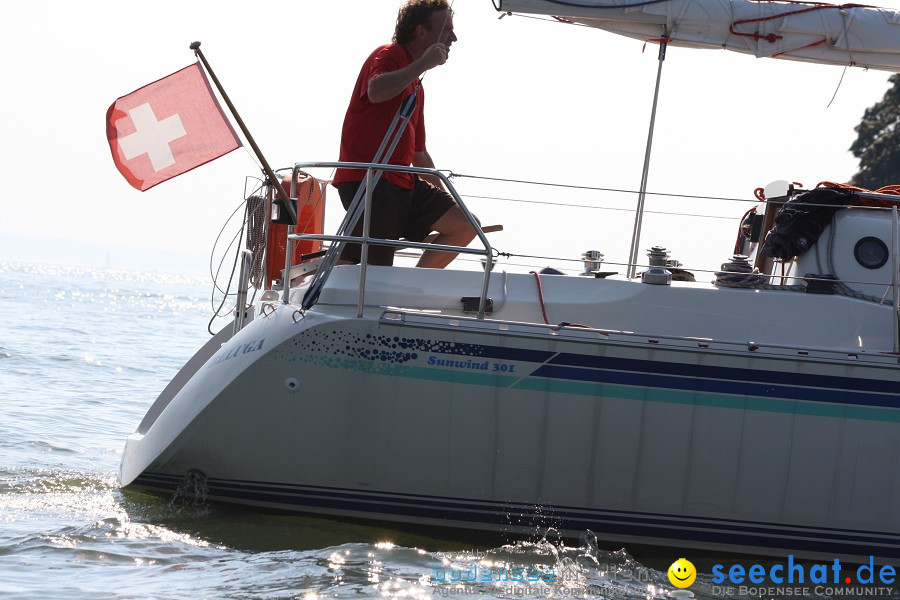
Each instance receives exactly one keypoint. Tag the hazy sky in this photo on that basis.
(518, 98)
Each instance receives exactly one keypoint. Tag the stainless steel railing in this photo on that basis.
(240, 310)
(373, 172)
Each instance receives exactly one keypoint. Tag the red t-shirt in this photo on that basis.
(366, 122)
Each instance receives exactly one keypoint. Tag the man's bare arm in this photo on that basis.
(388, 85)
(423, 159)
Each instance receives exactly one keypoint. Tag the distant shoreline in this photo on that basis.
(55, 251)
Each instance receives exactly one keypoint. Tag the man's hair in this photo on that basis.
(414, 13)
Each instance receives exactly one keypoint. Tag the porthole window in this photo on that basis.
(871, 252)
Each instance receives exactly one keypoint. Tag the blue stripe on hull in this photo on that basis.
(870, 394)
(718, 386)
(656, 529)
(765, 378)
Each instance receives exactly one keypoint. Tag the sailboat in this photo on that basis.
(757, 413)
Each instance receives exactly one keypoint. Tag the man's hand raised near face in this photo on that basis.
(435, 55)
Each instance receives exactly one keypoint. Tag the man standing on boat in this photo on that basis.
(403, 205)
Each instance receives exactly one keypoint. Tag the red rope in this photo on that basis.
(655, 41)
(813, 45)
(760, 194)
(771, 37)
(537, 278)
(893, 190)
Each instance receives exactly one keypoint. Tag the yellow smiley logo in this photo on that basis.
(682, 573)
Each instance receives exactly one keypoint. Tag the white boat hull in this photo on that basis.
(446, 420)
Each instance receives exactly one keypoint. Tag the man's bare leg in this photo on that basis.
(453, 230)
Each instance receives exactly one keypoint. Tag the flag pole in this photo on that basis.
(276, 183)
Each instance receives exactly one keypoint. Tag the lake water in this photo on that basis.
(83, 354)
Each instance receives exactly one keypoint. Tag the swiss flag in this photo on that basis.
(168, 128)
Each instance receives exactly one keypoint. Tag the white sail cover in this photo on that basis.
(853, 35)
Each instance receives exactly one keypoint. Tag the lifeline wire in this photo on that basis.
(597, 189)
(546, 203)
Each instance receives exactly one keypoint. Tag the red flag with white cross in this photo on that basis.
(168, 128)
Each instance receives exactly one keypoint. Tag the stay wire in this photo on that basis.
(838, 88)
(252, 157)
(557, 20)
(591, 206)
(440, 35)
(596, 189)
(217, 311)
(215, 273)
(446, 18)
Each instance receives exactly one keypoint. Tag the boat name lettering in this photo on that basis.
(475, 365)
(239, 350)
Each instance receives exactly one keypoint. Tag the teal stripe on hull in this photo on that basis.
(468, 377)
(668, 396)
(624, 392)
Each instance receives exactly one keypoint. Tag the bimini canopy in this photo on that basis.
(849, 34)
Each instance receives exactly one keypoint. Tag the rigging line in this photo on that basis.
(840, 81)
(505, 264)
(580, 260)
(559, 20)
(253, 158)
(605, 263)
(620, 264)
(217, 311)
(845, 34)
(653, 212)
(773, 37)
(236, 239)
(440, 35)
(597, 189)
(212, 273)
(446, 18)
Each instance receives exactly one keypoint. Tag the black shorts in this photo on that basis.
(396, 213)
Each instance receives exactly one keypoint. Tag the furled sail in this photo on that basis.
(849, 34)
